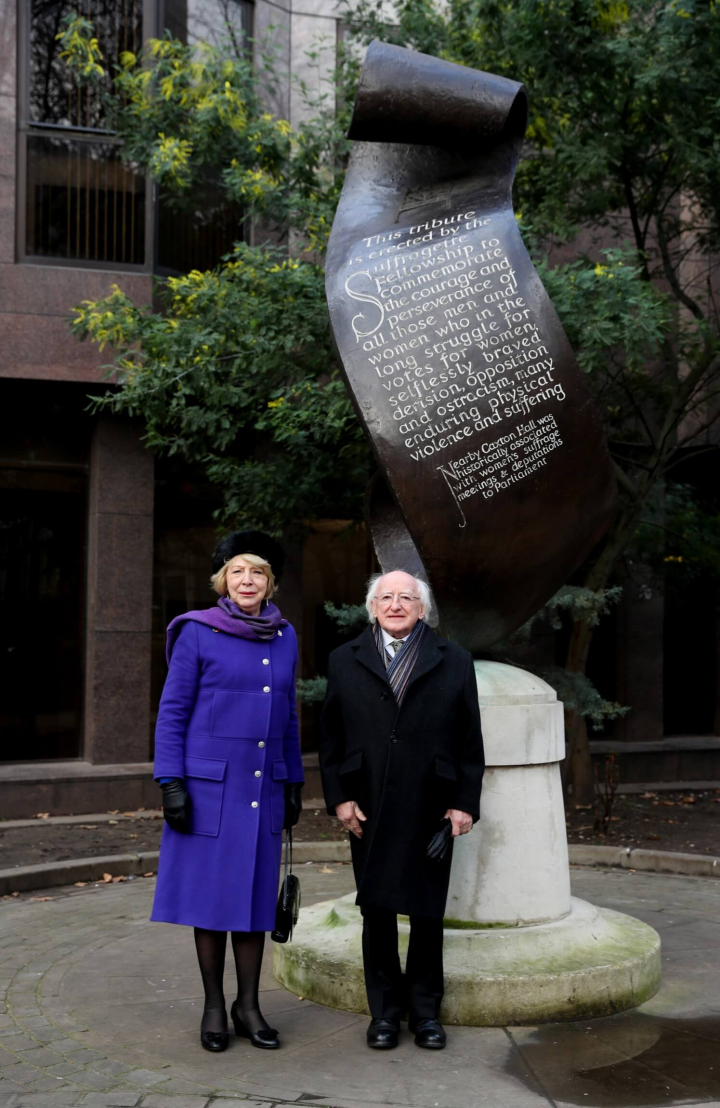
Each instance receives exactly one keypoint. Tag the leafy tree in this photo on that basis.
(236, 372)
(622, 151)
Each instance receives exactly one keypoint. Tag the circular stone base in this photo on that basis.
(593, 962)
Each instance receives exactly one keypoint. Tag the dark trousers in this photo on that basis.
(421, 990)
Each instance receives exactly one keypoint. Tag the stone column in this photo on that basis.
(514, 869)
(119, 596)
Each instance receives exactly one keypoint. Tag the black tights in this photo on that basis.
(248, 949)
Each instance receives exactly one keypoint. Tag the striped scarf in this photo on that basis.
(399, 668)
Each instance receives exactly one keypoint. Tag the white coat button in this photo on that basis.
(254, 804)
(261, 745)
(266, 661)
(280, 634)
(266, 688)
(258, 773)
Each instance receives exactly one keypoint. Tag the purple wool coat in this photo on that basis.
(228, 725)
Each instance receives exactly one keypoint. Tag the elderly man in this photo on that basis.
(401, 749)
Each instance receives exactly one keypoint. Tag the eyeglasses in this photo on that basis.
(386, 599)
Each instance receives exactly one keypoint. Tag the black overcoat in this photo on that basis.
(404, 766)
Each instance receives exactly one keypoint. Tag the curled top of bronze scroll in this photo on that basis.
(417, 99)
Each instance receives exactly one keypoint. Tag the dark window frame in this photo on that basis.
(153, 20)
(244, 232)
(27, 129)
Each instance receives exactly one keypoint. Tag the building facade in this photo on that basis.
(99, 546)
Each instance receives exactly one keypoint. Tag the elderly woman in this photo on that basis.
(227, 756)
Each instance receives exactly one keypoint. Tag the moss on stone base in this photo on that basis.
(594, 962)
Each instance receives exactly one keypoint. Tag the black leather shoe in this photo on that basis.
(266, 1039)
(215, 1041)
(429, 1034)
(382, 1034)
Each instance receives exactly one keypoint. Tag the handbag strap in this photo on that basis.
(288, 853)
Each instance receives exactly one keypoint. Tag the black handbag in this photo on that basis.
(288, 905)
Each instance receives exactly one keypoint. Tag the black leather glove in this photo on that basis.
(437, 848)
(176, 805)
(293, 803)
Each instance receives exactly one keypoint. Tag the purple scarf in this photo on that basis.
(227, 617)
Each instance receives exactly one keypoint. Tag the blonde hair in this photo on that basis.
(219, 579)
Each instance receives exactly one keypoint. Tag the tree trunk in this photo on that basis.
(580, 776)
(578, 772)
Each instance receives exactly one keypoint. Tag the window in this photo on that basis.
(209, 20)
(83, 204)
(207, 226)
(45, 431)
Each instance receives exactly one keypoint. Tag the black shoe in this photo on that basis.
(382, 1034)
(265, 1039)
(215, 1041)
(430, 1034)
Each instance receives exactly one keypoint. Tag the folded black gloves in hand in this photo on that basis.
(437, 848)
(176, 805)
(293, 803)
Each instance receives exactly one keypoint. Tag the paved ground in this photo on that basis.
(103, 1008)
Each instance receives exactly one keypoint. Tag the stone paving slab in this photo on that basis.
(98, 1007)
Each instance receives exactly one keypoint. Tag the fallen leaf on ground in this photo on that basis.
(688, 800)
(326, 869)
(113, 811)
(41, 898)
(151, 874)
(669, 803)
(107, 877)
(10, 896)
(647, 796)
(88, 826)
(131, 814)
(80, 884)
(133, 836)
(112, 821)
(116, 879)
(42, 815)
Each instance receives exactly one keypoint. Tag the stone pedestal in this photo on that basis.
(512, 869)
(518, 948)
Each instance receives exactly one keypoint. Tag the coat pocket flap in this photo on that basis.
(280, 772)
(212, 769)
(352, 763)
(445, 769)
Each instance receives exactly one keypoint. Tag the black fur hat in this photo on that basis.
(249, 542)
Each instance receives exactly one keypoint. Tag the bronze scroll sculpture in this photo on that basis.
(480, 418)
